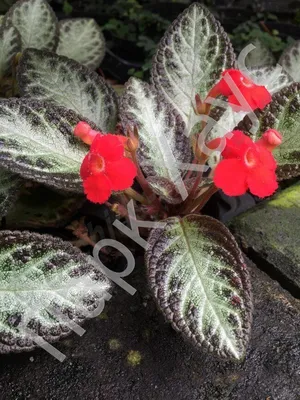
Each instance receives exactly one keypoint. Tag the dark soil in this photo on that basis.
(130, 353)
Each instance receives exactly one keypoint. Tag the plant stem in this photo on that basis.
(136, 196)
(202, 200)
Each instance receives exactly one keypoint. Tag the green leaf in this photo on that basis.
(160, 128)
(261, 56)
(282, 114)
(48, 77)
(190, 59)
(201, 283)
(10, 44)
(82, 40)
(1, 19)
(36, 22)
(45, 283)
(37, 142)
(290, 61)
(55, 211)
(10, 186)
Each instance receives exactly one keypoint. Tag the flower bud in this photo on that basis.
(270, 139)
(84, 132)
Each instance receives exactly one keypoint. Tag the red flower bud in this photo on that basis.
(270, 139)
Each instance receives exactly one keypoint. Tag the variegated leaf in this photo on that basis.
(290, 61)
(10, 186)
(201, 283)
(282, 114)
(261, 56)
(82, 40)
(46, 285)
(162, 141)
(10, 45)
(54, 211)
(43, 75)
(274, 78)
(36, 23)
(37, 142)
(190, 59)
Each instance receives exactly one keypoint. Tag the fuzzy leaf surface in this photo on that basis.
(201, 283)
(37, 142)
(160, 128)
(290, 61)
(45, 76)
(10, 186)
(36, 23)
(10, 45)
(261, 56)
(81, 39)
(45, 283)
(190, 58)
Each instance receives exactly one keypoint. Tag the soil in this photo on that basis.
(130, 353)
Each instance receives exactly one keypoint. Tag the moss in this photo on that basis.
(134, 358)
(114, 344)
(288, 198)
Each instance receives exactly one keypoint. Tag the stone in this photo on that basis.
(132, 354)
(270, 235)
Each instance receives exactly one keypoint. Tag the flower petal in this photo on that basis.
(108, 146)
(266, 158)
(230, 176)
(261, 96)
(235, 75)
(97, 188)
(262, 182)
(245, 101)
(85, 171)
(121, 173)
(237, 143)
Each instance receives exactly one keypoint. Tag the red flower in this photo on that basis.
(246, 165)
(242, 91)
(105, 168)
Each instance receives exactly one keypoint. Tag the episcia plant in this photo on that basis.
(154, 156)
(33, 24)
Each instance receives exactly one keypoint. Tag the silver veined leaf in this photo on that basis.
(82, 40)
(37, 142)
(45, 284)
(190, 58)
(273, 78)
(201, 283)
(10, 185)
(45, 76)
(290, 61)
(36, 23)
(10, 45)
(261, 56)
(282, 114)
(161, 130)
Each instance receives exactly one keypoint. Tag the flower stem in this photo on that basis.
(136, 196)
(200, 202)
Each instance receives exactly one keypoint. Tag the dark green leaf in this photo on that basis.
(44, 282)
(201, 283)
